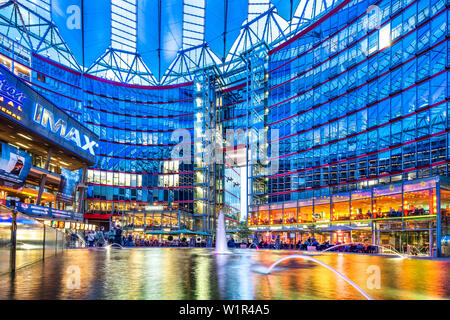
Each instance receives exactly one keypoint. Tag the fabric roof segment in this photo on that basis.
(223, 24)
(159, 33)
(94, 20)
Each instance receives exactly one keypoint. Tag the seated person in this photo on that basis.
(392, 212)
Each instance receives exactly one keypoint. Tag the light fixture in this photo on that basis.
(23, 146)
(25, 136)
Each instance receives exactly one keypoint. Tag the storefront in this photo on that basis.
(409, 216)
(44, 153)
(162, 219)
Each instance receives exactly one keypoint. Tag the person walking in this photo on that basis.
(101, 237)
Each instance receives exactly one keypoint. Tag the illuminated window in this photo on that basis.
(384, 35)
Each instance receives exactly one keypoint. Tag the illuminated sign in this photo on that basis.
(71, 225)
(11, 99)
(154, 208)
(10, 108)
(45, 118)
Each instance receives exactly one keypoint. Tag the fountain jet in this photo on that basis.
(221, 239)
(299, 256)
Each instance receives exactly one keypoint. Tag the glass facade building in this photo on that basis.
(360, 99)
(136, 126)
(335, 126)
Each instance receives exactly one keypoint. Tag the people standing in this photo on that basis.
(111, 235)
(277, 243)
(255, 239)
(118, 236)
(91, 239)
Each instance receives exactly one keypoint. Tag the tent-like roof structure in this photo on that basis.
(151, 42)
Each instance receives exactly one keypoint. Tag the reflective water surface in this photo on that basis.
(165, 273)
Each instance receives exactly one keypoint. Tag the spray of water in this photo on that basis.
(221, 239)
(374, 245)
(114, 245)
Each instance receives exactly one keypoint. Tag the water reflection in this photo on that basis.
(157, 273)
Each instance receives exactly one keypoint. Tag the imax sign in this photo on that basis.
(46, 119)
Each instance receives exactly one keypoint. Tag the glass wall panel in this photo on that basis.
(321, 209)
(388, 206)
(157, 220)
(253, 218)
(290, 215)
(340, 207)
(445, 222)
(305, 214)
(60, 241)
(5, 240)
(149, 220)
(276, 216)
(419, 203)
(264, 217)
(361, 209)
(30, 241)
(50, 241)
(139, 220)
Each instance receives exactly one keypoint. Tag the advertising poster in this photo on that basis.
(68, 185)
(15, 165)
